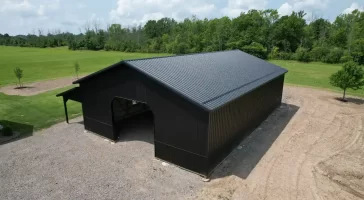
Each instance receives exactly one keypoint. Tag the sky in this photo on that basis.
(29, 16)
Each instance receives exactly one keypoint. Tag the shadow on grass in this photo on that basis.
(356, 101)
(256, 144)
(25, 130)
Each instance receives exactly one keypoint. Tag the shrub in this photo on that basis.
(319, 53)
(358, 51)
(6, 131)
(18, 74)
(274, 54)
(256, 49)
(77, 68)
(286, 56)
(358, 57)
(345, 59)
(303, 55)
(334, 56)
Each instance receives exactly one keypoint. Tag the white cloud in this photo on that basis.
(41, 10)
(133, 12)
(24, 16)
(309, 6)
(354, 6)
(81, 5)
(285, 9)
(22, 8)
(26, 9)
(235, 7)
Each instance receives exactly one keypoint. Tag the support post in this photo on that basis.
(65, 108)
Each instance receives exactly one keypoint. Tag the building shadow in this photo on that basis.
(137, 128)
(24, 130)
(255, 145)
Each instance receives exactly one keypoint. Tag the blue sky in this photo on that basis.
(27, 16)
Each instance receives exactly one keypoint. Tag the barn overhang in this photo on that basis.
(72, 94)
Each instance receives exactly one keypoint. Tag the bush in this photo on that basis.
(274, 54)
(345, 59)
(256, 49)
(334, 56)
(319, 53)
(18, 74)
(6, 131)
(358, 57)
(303, 55)
(286, 56)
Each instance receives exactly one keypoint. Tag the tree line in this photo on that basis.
(263, 33)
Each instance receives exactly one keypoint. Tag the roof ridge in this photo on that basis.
(181, 55)
(126, 61)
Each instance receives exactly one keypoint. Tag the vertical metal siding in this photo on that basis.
(178, 123)
(228, 124)
(182, 128)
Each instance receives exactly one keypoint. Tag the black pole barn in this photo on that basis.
(203, 104)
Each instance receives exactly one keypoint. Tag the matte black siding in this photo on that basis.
(230, 123)
(178, 123)
(185, 133)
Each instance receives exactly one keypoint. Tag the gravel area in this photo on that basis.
(64, 162)
(310, 148)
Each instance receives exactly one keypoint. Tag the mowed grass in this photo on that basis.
(43, 110)
(38, 111)
(313, 74)
(40, 64)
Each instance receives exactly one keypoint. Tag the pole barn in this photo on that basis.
(203, 104)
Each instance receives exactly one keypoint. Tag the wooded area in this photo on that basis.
(262, 33)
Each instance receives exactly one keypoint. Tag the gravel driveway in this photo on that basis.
(310, 148)
(64, 162)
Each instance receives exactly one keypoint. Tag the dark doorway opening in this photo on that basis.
(132, 120)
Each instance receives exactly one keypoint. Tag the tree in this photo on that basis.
(77, 68)
(350, 76)
(19, 74)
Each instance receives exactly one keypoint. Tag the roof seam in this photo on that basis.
(228, 92)
(167, 86)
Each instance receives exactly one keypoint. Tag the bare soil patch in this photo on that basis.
(30, 89)
(310, 148)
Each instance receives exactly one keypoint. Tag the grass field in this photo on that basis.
(43, 110)
(40, 64)
(312, 74)
(38, 111)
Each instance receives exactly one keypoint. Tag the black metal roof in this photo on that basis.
(208, 79)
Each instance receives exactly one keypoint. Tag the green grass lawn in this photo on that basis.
(50, 63)
(42, 110)
(35, 112)
(313, 74)
(25, 114)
